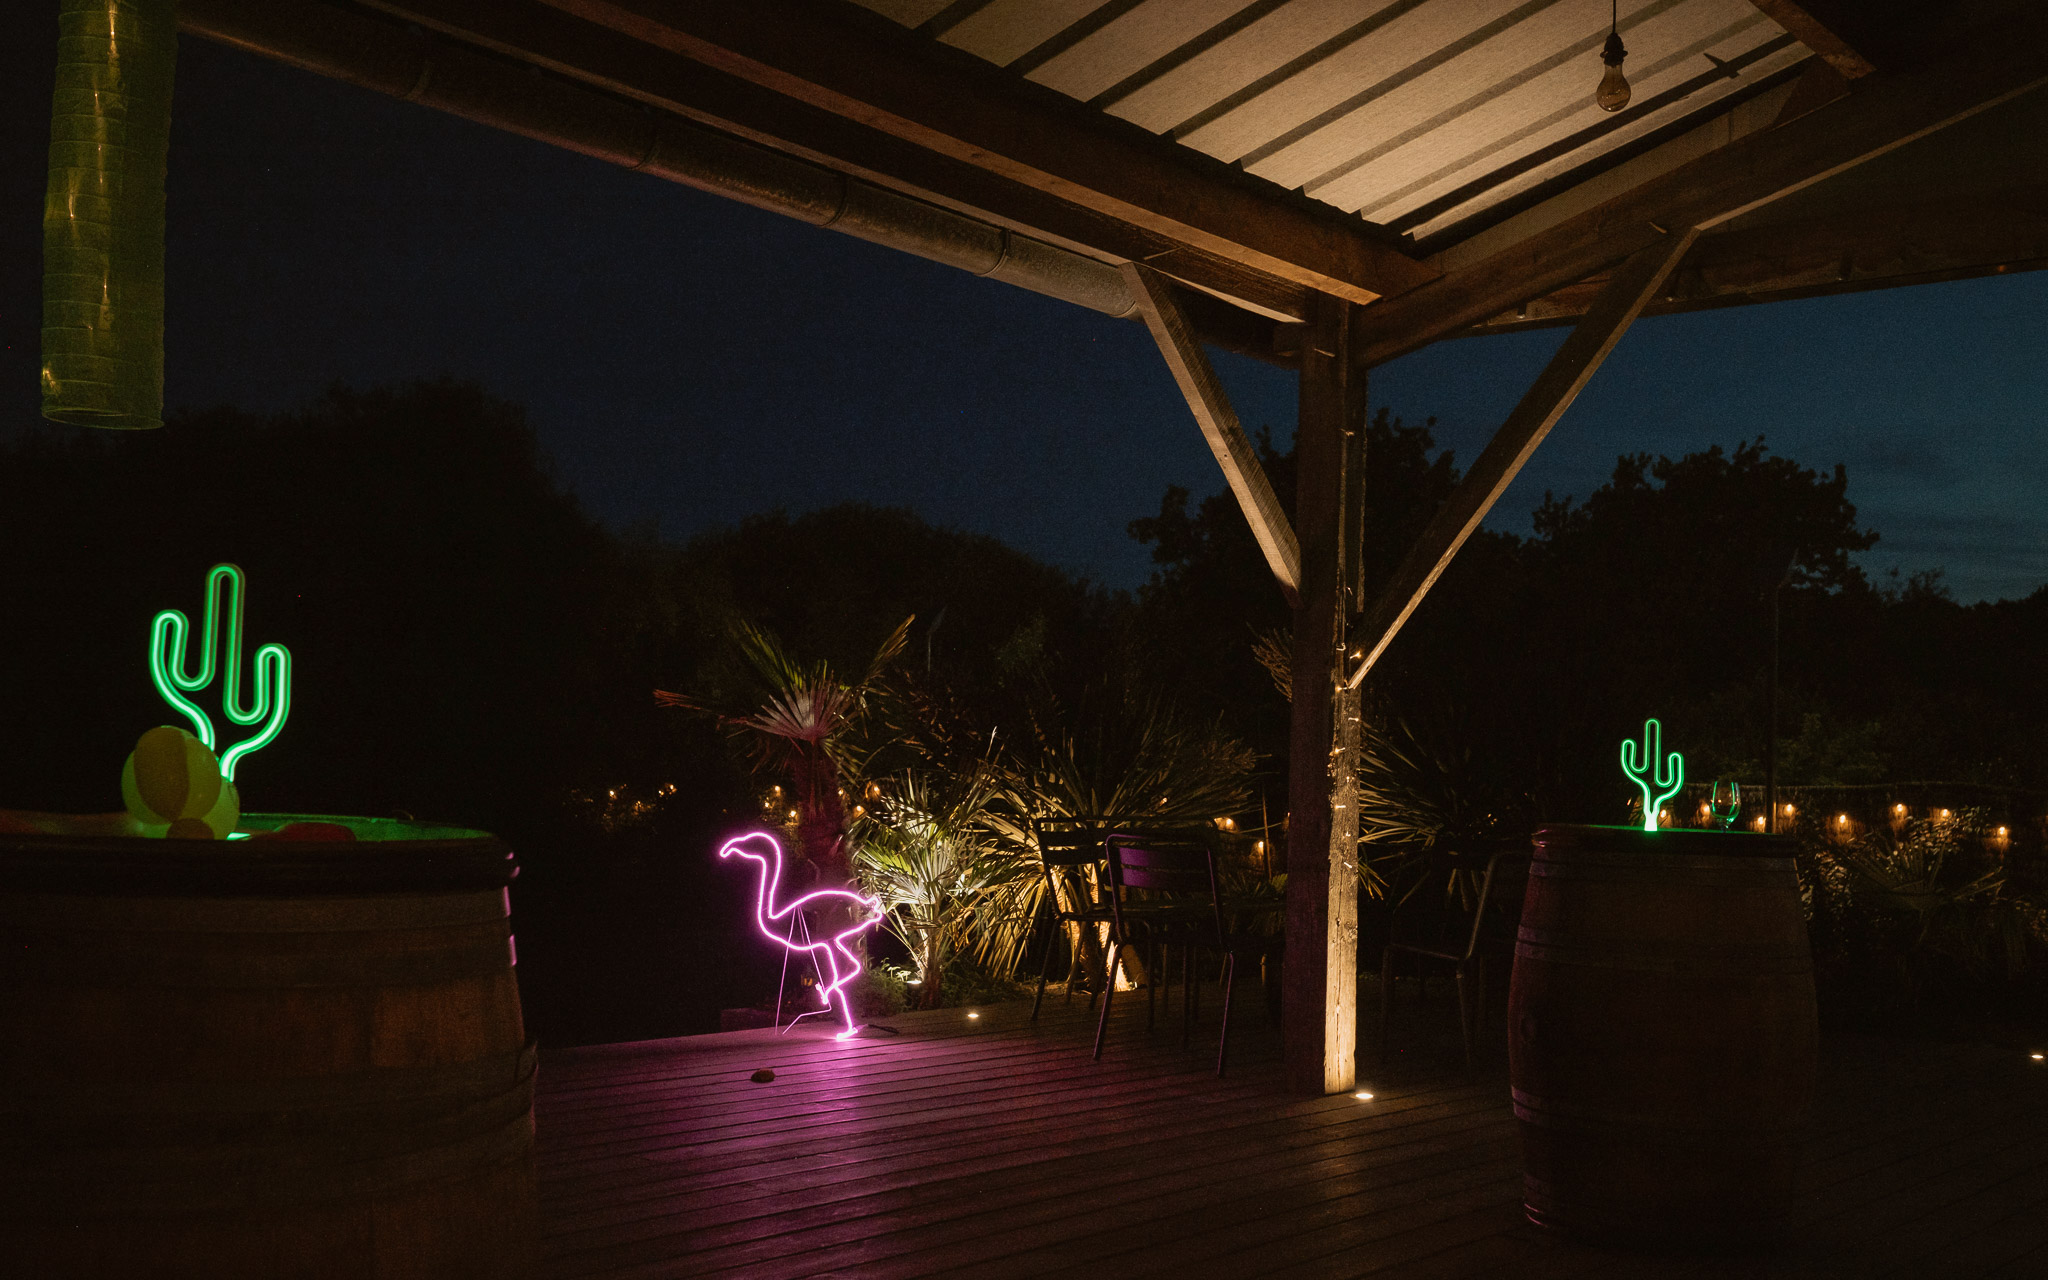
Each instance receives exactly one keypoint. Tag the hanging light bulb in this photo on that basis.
(1613, 93)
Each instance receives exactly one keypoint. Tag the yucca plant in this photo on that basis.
(1414, 792)
(1119, 755)
(922, 849)
(1924, 897)
(797, 722)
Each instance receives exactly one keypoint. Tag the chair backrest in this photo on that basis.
(1456, 891)
(1149, 862)
(1077, 840)
(1069, 842)
(1177, 864)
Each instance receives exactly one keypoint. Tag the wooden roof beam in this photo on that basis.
(831, 57)
(1963, 235)
(533, 33)
(1220, 427)
(1886, 110)
(1816, 24)
(479, 85)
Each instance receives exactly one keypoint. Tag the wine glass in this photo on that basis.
(1724, 802)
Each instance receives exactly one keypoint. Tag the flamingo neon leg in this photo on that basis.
(869, 913)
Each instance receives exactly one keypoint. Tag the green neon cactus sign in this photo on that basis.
(1668, 773)
(272, 667)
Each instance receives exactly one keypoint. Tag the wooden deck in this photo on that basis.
(984, 1146)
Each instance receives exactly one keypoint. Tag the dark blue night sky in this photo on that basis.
(690, 360)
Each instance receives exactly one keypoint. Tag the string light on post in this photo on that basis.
(1613, 93)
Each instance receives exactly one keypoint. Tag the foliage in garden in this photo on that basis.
(797, 721)
(1921, 919)
(477, 649)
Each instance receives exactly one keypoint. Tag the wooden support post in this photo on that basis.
(1633, 285)
(1319, 1007)
(1220, 427)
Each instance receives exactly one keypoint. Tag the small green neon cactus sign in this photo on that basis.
(272, 670)
(1660, 779)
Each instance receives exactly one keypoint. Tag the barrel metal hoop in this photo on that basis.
(1631, 867)
(324, 914)
(73, 960)
(202, 868)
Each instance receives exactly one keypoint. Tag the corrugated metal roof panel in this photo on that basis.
(1006, 30)
(1130, 43)
(1423, 115)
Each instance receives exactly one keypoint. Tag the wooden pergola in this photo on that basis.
(1324, 184)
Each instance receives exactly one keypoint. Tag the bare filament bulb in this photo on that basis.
(1613, 93)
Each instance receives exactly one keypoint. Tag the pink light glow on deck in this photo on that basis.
(763, 848)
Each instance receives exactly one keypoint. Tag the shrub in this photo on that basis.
(1919, 921)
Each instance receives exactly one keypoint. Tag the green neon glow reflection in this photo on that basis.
(272, 668)
(1668, 773)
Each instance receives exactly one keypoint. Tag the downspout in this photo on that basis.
(103, 213)
(405, 64)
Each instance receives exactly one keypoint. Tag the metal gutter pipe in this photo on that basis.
(405, 63)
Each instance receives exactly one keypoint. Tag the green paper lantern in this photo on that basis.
(103, 213)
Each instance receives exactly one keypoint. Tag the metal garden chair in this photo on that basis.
(1165, 891)
(1073, 856)
(1437, 919)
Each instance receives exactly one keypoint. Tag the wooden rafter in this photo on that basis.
(1953, 236)
(1814, 26)
(480, 84)
(533, 33)
(897, 84)
(1887, 111)
(1220, 427)
(1553, 392)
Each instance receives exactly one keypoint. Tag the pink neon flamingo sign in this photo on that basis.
(835, 954)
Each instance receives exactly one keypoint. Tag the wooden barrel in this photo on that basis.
(263, 1058)
(1662, 1035)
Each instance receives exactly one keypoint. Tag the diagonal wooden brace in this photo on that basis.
(1220, 427)
(1635, 282)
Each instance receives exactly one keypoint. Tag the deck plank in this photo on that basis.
(997, 1148)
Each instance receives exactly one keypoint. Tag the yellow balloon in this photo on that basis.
(226, 813)
(171, 775)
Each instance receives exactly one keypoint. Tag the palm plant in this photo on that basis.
(1415, 792)
(1927, 898)
(1119, 755)
(797, 722)
(923, 850)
